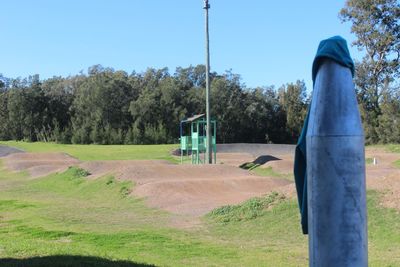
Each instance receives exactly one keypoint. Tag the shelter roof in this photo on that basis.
(194, 118)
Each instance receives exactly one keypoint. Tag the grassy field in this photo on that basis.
(67, 220)
(67, 217)
(397, 163)
(268, 172)
(101, 152)
(392, 148)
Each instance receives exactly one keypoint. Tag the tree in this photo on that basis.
(111, 107)
(4, 124)
(293, 98)
(388, 129)
(101, 107)
(60, 95)
(376, 26)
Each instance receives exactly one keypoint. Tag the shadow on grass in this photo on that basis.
(67, 261)
(261, 160)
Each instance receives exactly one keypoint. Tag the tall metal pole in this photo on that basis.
(208, 128)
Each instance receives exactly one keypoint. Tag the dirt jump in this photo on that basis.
(39, 164)
(6, 150)
(194, 190)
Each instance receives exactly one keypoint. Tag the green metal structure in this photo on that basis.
(193, 139)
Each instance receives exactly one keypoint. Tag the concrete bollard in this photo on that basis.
(337, 219)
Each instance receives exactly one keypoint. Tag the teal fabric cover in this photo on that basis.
(334, 48)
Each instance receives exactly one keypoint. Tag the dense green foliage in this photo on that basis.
(106, 106)
(376, 26)
(112, 107)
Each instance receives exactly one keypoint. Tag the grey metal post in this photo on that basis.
(337, 219)
(208, 128)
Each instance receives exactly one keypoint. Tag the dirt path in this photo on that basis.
(384, 177)
(181, 189)
(39, 164)
(187, 189)
(6, 150)
(195, 190)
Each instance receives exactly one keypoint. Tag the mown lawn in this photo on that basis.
(66, 219)
(397, 163)
(392, 148)
(101, 152)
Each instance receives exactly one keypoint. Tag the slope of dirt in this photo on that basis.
(257, 149)
(39, 164)
(233, 159)
(283, 164)
(196, 189)
(6, 150)
(187, 189)
(120, 168)
(384, 176)
(182, 189)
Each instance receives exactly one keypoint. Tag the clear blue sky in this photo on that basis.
(266, 42)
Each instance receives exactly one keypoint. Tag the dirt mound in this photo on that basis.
(39, 164)
(198, 197)
(257, 149)
(120, 168)
(182, 189)
(234, 159)
(284, 164)
(288, 190)
(196, 189)
(6, 150)
(187, 189)
(384, 176)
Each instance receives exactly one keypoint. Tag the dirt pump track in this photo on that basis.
(194, 190)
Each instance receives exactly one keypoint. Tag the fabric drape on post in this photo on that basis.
(334, 48)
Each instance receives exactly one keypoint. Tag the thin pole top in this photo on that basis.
(206, 4)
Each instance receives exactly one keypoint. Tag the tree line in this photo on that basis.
(106, 106)
(375, 24)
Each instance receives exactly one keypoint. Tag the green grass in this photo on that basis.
(276, 229)
(267, 172)
(101, 152)
(369, 161)
(247, 210)
(383, 233)
(67, 214)
(67, 219)
(249, 166)
(397, 163)
(394, 148)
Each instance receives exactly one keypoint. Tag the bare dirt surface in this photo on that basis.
(234, 159)
(384, 176)
(187, 189)
(181, 189)
(194, 190)
(257, 150)
(6, 150)
(39, 164)
(283, 164)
